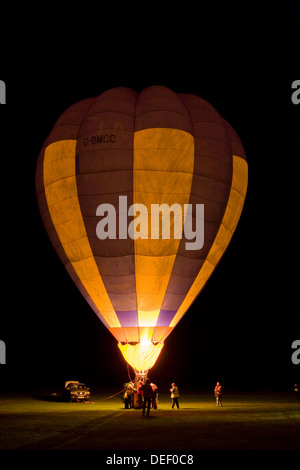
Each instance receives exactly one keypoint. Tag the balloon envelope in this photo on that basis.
(108, 166)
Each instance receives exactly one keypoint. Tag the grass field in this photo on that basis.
(245, 422)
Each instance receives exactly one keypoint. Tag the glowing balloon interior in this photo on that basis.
(156, 148)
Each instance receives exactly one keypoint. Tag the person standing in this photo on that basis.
(174, 395)
(155, 396)
(128, 395)
(140, 393)
(218, 394)
(147, 391)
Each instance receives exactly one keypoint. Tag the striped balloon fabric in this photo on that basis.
(140, 194)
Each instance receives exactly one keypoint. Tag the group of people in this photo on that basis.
(147, 394)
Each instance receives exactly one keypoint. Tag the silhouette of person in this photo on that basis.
(147, 396)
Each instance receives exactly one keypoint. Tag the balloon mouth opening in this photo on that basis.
(143, 355)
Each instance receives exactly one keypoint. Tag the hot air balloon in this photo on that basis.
(107, 164)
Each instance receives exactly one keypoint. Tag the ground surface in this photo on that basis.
(245, 422)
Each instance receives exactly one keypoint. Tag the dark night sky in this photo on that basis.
(241, 327)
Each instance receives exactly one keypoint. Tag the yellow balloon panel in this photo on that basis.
(162, 168)
(64, 209)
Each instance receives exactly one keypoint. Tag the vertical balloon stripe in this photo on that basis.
(211, 184)
(228, 225)
(161, 332)
(119, 334)
(105, 179)
(162, 174)
(62, 200)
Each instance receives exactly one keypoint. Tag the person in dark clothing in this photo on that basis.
(140, 393)
(147, 396)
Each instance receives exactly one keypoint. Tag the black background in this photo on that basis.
(243, 60)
